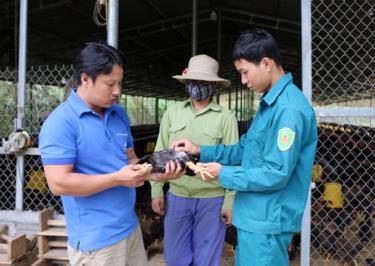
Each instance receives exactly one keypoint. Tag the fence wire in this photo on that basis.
(343, 201)
(8, 111)
(46, 87)
(343, 52)
(7, 182)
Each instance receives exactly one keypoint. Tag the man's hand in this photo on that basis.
(158, 205)
(212, 168)
(226, 216)
(128, 177)
(187, 146)
(173, 170)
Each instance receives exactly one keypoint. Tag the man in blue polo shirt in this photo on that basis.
(270, 168)
(88, 157)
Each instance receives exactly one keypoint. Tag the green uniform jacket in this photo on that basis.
(274, 161)
(213, 125)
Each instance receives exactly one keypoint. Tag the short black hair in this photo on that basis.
(95, 59)
(254, 45)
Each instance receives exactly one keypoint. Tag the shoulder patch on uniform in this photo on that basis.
(285, 138)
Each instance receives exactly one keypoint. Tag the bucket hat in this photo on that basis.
(202, 67)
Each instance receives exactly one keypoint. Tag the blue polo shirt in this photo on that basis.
(273, 162)
(74, 134)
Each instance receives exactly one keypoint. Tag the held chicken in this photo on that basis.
(157, 161)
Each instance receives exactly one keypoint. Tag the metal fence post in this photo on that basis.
(112, 35)
(21, 99)
(307, 90)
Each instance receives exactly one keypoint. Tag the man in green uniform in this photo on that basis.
(270, 168)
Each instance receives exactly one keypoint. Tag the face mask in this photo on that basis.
(200, 91)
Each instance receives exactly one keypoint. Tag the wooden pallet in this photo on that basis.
(52, 240)
(12, 249)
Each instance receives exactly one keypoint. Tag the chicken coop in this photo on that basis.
(328, 46)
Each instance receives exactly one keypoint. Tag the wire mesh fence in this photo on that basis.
(46, 87)
(8, 111)
(8, 100)
(343, 51)
(36, 194)
(7, 182)
(343, 201)
(342, 226)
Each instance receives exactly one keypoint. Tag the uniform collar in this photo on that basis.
(211, 106)
(270, 97)
(80, 107)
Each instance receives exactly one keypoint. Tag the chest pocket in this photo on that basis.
(176, 130)
(259, 142)
(212, 136)
(255, 149)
